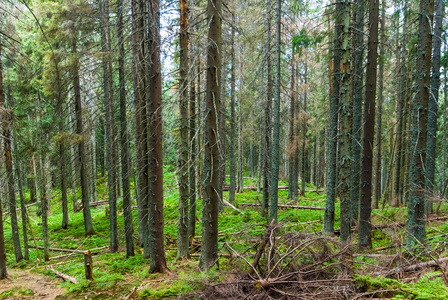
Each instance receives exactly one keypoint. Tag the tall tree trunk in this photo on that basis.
(124, 138)
(239, 182)
(72, 157)
(304, 132)
(433, 104)
(193, 156)
(232, 166)
(182, 227)
(6, 122)
(110, 128)
(141, 136)
(222, 125)
(369, 127)
(292, 134)
(345, 114)
(378, 158)
(335, 77)
(276, 115)
(3, 271)
(156, 242)
(209, 244)
(267, 115)
(358, 84)
(88, 226)
(417, 174)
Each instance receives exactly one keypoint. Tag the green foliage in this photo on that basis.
(165, 290)
(303, 41)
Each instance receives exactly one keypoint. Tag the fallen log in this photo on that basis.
(70, 250)
(226, 188)
(98, 203)
(231, 206)
(65, 277)
(432, 263)
(287, 206)
(19, 208)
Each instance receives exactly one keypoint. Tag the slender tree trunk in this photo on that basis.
(358, 84)
(193, 156)
(141, 137)
(88, 226)
(232, 167)
(433, 104)
(124, 138)
(22, 205)
(369, 127)
(44, 205)
(292, 134)
(6, 123)
(182, 227)
(251, 160)
(267, 115)
(377, 167)
(3, 271)
(156, 242)
(209, 244)
(72, 158)
(110, 136)
(222, 125)
(239, 183)
(304, 133)
(416, 203)
(345, 113)
(276, 115)
(335, 77)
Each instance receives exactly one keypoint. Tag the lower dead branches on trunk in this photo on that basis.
(65, 277)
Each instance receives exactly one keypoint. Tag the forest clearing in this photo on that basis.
(209, 149)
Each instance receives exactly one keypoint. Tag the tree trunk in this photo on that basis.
(369, 127)
(124, 138)
(182, 227)
(345, 114)
(222, 125)
(304, 133)
(193, 156)
(209, 244)
(377, 167)
(156, 242)
(72, 159)
(110, 128)
(6, 122)
(267, 114)
(141, 136)
(88, 226)
(433, 105)
(276, 115)
(292, 134)
(3, 272)
(358, 85)
(232, 166)
(417, 174)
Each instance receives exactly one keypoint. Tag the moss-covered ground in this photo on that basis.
(118, 277)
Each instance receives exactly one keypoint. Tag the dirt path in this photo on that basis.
(24, 284)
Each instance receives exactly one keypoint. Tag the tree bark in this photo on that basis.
(124, 137)
(156, 242)
(88, 226)
(365, 239)
(232, 166)
(431, 142)
(209, 244)
(417, 174)
(276, 115)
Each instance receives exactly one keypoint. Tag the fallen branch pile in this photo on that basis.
(280, 206)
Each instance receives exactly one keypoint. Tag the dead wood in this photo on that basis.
(262, 246)
(411, 268)
(19, 208)
(280, 206)
(65, 277)
(70, 250)
(98, 203)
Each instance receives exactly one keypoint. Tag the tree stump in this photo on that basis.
(88, 265)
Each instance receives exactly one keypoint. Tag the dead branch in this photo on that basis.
(411, 268)
(70, 250)
(65, 277)
(287, 206)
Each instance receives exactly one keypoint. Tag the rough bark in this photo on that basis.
(156, 238)
(192, 170)
(345, 114)
(369, 127)
(267, 114)
(182, 227)
(124, 138)
(358, 84)
(378, 158)
(417, 174)
(3, 271)
(431, 142)
(232, 133)
(276, 115)
(6, 124)
(292, 135)
(209, 244)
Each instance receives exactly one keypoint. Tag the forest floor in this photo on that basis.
(25, 284)
(295, 260)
